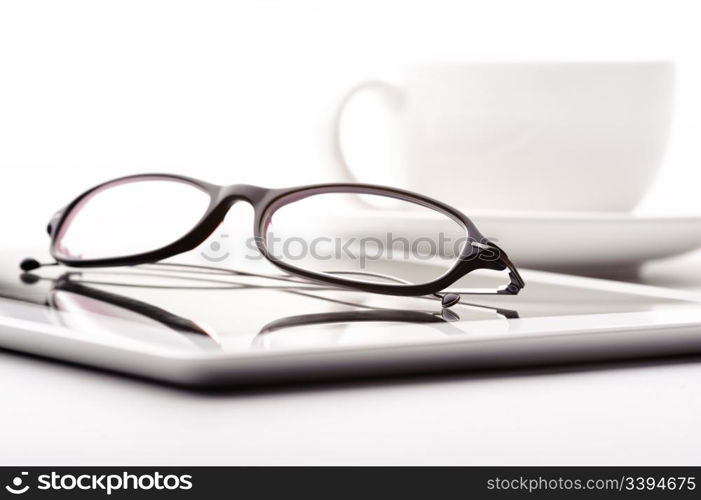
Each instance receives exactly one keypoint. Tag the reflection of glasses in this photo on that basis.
(83, 286)
(317, 232)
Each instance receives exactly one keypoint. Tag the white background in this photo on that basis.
(242, 91)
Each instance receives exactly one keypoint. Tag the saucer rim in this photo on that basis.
(547, 216)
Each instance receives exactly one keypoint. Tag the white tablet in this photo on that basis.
(190, 327)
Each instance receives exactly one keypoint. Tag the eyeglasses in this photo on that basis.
(356, 236)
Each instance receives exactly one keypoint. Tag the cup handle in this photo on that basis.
(393, 96)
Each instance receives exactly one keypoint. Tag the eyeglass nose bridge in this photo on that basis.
(254, 195)
(227, 196)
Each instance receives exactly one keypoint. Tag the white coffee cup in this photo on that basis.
(519, 136)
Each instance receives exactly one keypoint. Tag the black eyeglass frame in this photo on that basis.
(265, 202)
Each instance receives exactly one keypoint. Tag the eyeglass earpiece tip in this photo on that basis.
(450, 299)
(29, 264)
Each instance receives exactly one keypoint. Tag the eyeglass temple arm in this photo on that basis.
(446, 297)
(306, 289)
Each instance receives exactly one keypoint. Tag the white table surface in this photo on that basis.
(627, 414)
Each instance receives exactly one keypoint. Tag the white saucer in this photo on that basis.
(562, 240)
(584, 242)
